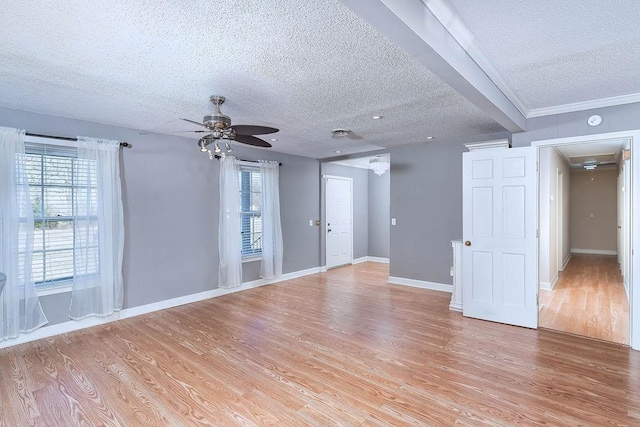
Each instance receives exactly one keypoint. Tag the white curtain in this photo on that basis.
(98, 230)
(272, 251)
(20, 309)
(229, 229)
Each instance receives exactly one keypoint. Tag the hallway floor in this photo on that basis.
(589, 300)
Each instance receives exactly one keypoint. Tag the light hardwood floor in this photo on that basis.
(589, 300)
(338, 348)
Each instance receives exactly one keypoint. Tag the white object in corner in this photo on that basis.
(456, 269)
(499, 143)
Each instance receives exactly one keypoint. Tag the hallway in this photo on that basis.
(589, 300)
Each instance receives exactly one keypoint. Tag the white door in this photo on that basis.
(500, 251)
(339, 221)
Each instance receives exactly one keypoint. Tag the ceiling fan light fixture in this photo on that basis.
(216, 148)
(203, 145)
(227, 147)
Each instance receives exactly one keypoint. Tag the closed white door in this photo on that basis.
(500, 250)
(339, 221)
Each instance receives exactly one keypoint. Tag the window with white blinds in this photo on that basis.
(61, 192)
(251, 211)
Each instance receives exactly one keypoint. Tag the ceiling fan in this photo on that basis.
(219, 129)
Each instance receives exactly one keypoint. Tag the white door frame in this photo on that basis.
(634, 230)
(326, 207)
(559, 218)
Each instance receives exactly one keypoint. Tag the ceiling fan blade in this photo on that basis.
(251, 140)
(195, 123)
(177, 131)
(253, 130)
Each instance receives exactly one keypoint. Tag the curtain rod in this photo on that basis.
(218, 156)
(66, 138)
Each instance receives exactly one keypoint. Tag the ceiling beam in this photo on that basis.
(416, 29)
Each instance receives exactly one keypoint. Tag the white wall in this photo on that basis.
(552, 163)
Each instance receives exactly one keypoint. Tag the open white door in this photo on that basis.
(339, 221)
(500, 251)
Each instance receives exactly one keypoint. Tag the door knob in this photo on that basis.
(329, 230)
(467, 243)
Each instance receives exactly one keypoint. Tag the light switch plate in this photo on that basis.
(393, 221)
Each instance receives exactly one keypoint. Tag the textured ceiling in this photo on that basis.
(555, 52)
(303, 67)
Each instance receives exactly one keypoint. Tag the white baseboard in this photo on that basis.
(378, 259)
(593, 251)
(548, 286)
(455, 306)
(74, 325)
(421, 284)
(566, 263)
(371, 259)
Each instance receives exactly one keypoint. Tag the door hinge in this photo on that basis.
(537, 234)
(537, 166)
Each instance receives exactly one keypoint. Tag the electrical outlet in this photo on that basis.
(310, 223)
(393, 221)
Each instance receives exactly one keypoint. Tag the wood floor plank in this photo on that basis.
(338, 348)
(588, 299)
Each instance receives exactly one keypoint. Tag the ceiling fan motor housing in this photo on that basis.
(216, 121)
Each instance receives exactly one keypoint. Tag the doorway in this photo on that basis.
(583, 286)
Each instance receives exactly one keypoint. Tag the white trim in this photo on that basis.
(370, 259)
(467, 40)
(378, 259)
(566, 263)
(73, 325)
(498, 143)
(433, 286)
(455, 306)
(585, 138)
(586, 105)
(592, 251)
(251, 258)
(549, 286)
(53, 290)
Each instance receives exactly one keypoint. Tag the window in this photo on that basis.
(57, 198)
(251, 211)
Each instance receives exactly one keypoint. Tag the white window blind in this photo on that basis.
(58, 190)
(251, 211)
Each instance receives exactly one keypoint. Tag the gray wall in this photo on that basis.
(379, 214)
(360, 207)
(426, 200)
(170, 195)
(594, 209)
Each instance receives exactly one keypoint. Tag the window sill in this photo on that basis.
(251, 259)
(53, 290)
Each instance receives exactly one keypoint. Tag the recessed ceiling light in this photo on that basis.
(430, 137)
(376, 117)
(337, 151)
(273, 139)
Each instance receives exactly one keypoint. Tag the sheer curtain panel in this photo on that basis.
(229, 226)
(272, 249)
(98, 230)
(20, 309)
